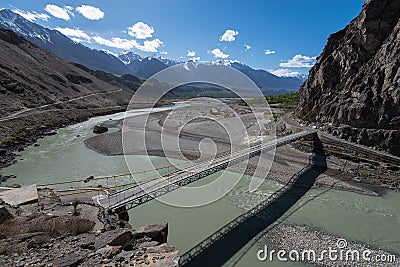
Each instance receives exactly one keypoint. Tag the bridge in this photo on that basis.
(141, 193)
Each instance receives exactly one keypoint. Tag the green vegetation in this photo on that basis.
(205, 93)
(287, 101)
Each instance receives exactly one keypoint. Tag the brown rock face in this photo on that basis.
(354, 86)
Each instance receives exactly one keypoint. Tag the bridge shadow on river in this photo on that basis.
(226, 242)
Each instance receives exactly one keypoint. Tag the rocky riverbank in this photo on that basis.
(304, 238)
(57, 233)
(342, 174)
(25, 131)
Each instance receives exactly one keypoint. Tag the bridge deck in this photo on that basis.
(144, 192)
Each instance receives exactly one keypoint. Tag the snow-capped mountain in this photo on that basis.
(128, 62)
(302, 77)
(128, 57)
(266, 81)
(60, 45)
(145, 67)
(169, 62)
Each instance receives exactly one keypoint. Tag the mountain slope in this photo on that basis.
(267, 82)
(127, 80)
(37, 88)
(60, 45)
(146, 67)
(354, 86)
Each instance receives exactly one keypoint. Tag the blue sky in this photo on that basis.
(280, 35)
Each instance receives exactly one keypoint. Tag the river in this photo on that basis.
(371, 220)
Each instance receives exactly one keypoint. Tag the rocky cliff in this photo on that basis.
(353, 89)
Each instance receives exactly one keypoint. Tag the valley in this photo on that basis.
(125, 146)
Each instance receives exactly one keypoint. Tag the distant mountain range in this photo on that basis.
(127, 63)
(267, 82)
(60, 45)
(145, 67)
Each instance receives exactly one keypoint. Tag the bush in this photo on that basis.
(288, 101)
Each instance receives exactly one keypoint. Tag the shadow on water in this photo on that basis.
(218, 249)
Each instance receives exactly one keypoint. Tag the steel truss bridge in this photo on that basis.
(141, 193)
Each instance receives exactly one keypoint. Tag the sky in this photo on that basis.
(281, 36)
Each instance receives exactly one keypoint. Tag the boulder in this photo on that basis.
(108, 252)
(5, 214)
(157, 232)
(99, 129)
(3, 152)
(123, 238)
(71, 259)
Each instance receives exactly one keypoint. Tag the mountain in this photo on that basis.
(128, 57)
(145, 67)
(268, 83)
(128, 80)
(169, 62)
(38, 89)
(60, 45)
(302, 77)
(353, 89)
(126, 63)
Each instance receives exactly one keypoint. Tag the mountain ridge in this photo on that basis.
(39, 90)
(60, 45)
(125, 63)
(353, 89)
(269, 83)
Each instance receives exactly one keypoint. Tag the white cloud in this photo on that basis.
(218, 53)
(64, 13)
(269, 52)
(163, 52)
(195, 59)
(141, 30)
(247, 47)
(90, 12)
(75, 34)
(150, 46)
(31, 16)
(284, 73)
(191, 53)
(299, 61)
(116, 42)
(229, 36)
